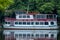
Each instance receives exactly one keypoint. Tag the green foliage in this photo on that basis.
(4, 4)
(58, 8)
(58, 11)
(47, 8)
(34, 5)
(1, 35)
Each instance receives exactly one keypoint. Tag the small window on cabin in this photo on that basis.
(41, 23)
(42, 35)
(55, 16)
(16, 22)
(28, 35)
(16, 35)
(20, 35)
(37, 23)
(52, 35)
(24, 16)
(52, 23)
(32, 23)
(20, 16)
(46, 35)
(20, 23)
(24, 23)
(28, 23)
(8, 22)
(37, 35)
(32, 35)
(5, 22)
(40, 16)
(28, 16)
(49, 16)
(46, 23)
(24, 35)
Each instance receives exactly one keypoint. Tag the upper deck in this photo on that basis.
(23, 15)
(32, 20)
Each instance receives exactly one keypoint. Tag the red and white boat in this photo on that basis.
(31, 26)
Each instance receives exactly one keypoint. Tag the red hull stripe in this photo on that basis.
(12, 19)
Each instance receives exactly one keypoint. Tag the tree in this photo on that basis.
(47, 8)
(43, 6)
(4, 4)
(27, 5)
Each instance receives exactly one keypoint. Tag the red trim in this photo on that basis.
(9, 19)
(14, 19)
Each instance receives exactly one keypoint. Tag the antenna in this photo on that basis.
(28, 9)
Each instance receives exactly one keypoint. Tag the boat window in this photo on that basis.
(16, 35)
(46, 35)
(52, 35)
(37, 23)
(32, 35)
(20, 35)
(34, 16)
(24, 23)
(42, 35)
(46, 23)
(24, 16)
(8, 22)
(40, 16)
(52, 23)
(24, 35)
(32, 23)
(20, 23)
(49, 16)
(20, 16)
(41, 23)
(55, 16)
(28, 16)
(28, 35)
(28, 23)
(5, 22)
(37, 35)
(16, 22)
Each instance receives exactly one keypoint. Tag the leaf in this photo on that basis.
(4, 4)
(47, 7)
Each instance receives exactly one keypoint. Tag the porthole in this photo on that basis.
(52, 23)
(46, 23)
(16, 22)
